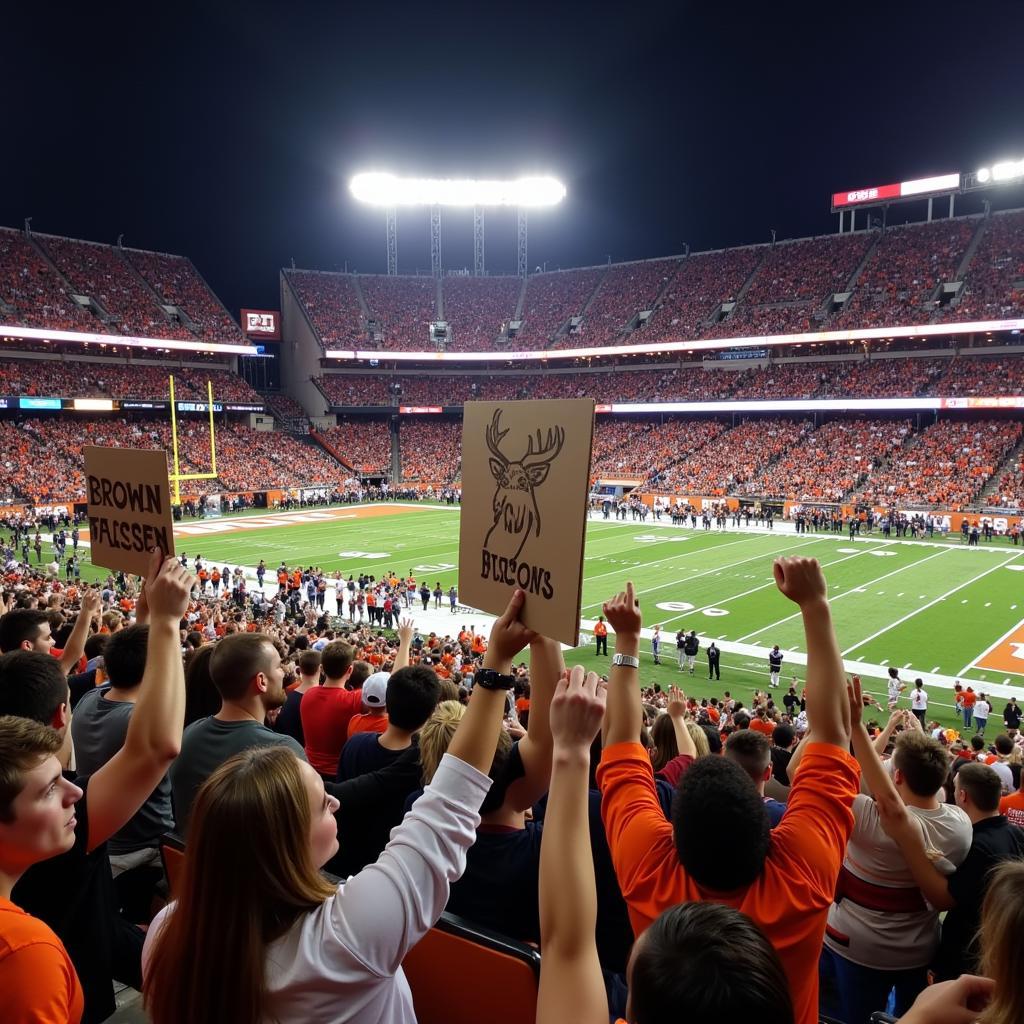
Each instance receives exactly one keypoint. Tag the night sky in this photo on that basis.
(227, 131)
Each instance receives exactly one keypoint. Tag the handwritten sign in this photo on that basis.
(525, 477)
(129, 507)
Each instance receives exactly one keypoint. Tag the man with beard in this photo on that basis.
(246, 669)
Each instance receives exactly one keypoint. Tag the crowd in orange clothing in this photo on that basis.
(101, 272)
(732, 461)
(477, 308)
(1009, 491)
(332, 305)
(431, 450)
(177, 283)
(626, 289)
(33, 292)
(403, 308)
(830, 461)
(365, 445)
(642, 447)
(807, 270)
(993, 281)
(947, 464)
(904, 270)
(551, 299)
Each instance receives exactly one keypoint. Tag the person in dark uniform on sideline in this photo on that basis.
(714, 654)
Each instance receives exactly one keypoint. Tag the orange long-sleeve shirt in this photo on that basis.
(790, 898)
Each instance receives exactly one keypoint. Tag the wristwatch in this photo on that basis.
(491, 680)
(626, 659)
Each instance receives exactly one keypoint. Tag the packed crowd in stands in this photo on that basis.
(903, 271)
(101, 271)
(995, 278)
(119, 380)
(403, 308)
(808, 270)
(639, 448)
(670, 857)
(551, 299)
(853, 378)
(830, 461)
(431, 451)
(625, 290)
(285, 406)
(477, 309)
(332, 305)
(30, 287)
(1009, 489)
(176, 283)
(732, 462)
(364, 445)
(947, 464)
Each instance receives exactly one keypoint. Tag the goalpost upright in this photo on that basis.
(177, 476)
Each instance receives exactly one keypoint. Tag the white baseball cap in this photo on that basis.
(375, 689)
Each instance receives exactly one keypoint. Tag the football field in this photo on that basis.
(936, 609)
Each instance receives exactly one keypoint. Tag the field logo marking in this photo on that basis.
(1005, 655)
(675, 606)
(363, 554)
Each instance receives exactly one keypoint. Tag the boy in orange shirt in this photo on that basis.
(718, 846)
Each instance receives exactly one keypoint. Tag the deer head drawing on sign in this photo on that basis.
(516, 515)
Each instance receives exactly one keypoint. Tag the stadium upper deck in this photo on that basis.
(65, 284)
(951, 271)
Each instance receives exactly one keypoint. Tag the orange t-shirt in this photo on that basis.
(789, 900)
(762, 726)
(37, 978)
(325, 712)
(600, 629)
(969, 699)
(368, 722)
(1013, 807)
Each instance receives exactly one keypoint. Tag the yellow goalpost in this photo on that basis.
(177, 476)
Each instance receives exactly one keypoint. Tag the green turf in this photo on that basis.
(917, 606)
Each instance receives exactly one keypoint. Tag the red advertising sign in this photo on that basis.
(865, 195)
(262, 323)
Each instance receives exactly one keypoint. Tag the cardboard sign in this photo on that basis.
(525, 478)
(129, 507)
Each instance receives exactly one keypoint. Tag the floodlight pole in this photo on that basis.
(392, 238)
(522, 267)
(478, 241)
(435, 241)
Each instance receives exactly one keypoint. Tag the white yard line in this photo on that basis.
(754, 590)
(934, 601)
(855, 590)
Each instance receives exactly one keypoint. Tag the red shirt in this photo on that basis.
(325, 712)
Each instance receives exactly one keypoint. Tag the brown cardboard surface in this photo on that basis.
(129, 507)
(525, 479)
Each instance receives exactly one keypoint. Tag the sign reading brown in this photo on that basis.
(525, 476)
(129, 507)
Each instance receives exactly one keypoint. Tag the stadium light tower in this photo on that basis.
(391, 192)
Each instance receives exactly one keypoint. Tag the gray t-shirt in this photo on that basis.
(98, 729)
(205, 746)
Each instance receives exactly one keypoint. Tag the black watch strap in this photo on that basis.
(491, 680)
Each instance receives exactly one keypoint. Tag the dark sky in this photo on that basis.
(227, 131)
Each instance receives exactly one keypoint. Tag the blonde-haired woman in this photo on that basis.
(257, 934)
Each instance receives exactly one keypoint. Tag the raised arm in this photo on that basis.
(873, 774)
(625, 714)
(546, 666)
(828, 710)
(677, 712)
(404, 644)
(75, 647)
(881, 741)
(153, 739)
(905, 829)
(476, 737)
(571, 987)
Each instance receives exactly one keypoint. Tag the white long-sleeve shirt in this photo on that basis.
(341, 963)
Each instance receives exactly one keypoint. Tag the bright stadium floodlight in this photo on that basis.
(388, 190)
(1004, 171)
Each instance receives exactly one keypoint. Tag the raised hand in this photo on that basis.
(676, 706)
(800, 579)
(623, 612)
(508, 635)
(577, 710)
(168, 587)
(951, 1002)
(91, 602)
(405, 630)
(856, 700)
